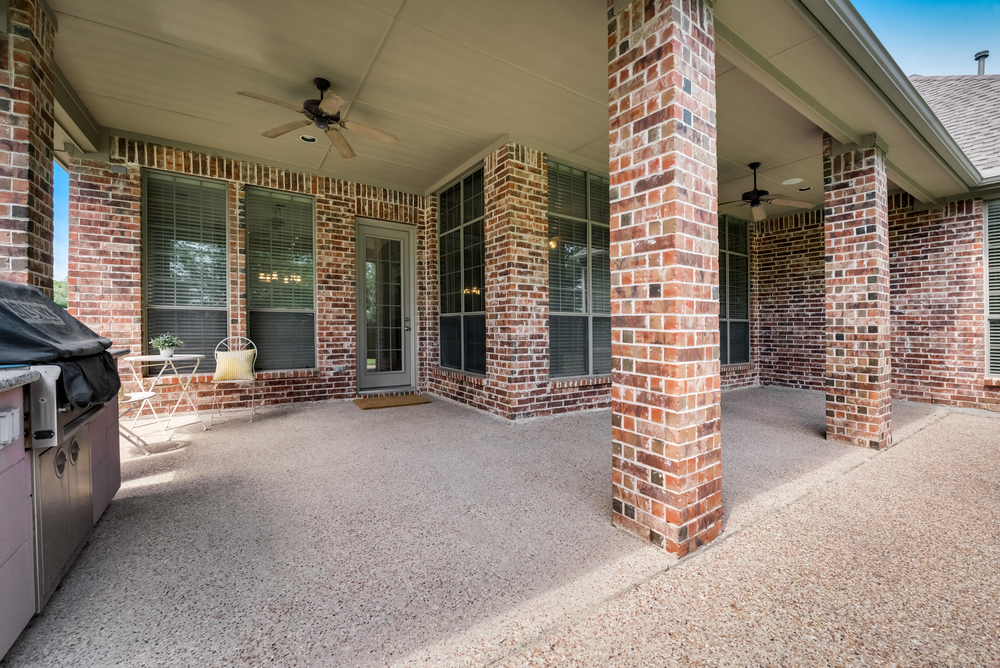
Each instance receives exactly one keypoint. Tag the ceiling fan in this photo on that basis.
(758, 198)
(325, 114)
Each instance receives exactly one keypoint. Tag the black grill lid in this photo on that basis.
(36, 330)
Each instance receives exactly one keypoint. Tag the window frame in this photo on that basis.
(247, 242)
(588, 296)
(459, 230)
(724, 317)
(144, 305)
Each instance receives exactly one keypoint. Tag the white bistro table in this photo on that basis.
(178, 365)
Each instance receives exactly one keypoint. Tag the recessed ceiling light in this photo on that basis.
(308, 139)
(791, 182)
(802, 190)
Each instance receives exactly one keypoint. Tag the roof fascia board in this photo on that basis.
(73, 115)
(840, 25)
(207, 150)
(753, 63)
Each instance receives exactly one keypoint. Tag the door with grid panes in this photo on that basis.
(385, 305)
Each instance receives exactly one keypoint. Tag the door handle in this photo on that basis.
(406, 329)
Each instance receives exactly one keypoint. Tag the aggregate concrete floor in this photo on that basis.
(436, 535)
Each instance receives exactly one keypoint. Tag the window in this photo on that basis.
(184, 249)
(579, 273)
(734, 291)
(462, 269)
(993, 287)
(280, 301)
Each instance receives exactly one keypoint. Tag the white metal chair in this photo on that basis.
(128, 402)
(235, 357)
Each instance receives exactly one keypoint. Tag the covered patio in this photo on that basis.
(282, 542)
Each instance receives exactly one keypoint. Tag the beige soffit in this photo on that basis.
(560, 156)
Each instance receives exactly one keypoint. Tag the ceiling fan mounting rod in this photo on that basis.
(754, 166)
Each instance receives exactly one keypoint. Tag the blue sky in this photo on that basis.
(924, 36)
(60, 204)
(934, 37)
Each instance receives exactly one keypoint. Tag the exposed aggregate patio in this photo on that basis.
(436, 535)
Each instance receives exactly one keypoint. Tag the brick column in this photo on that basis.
(26, 113)
(666, 425)
(858, 365)
(517, 297)
(105, 256)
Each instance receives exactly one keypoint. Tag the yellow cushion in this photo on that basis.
(234, 365)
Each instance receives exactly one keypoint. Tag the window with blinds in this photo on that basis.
(579, 273)
(280, 279)
(734, 291)
(993, 288)
(184, 262)
(462, 273)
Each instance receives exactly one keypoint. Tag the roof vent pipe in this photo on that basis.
(981, 59)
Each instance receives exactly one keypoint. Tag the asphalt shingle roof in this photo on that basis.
(969, 107)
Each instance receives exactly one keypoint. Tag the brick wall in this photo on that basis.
(938, 326)
(105, 259)
(26, 127)
(738, 376)
(106, 276)
(666, 439)
(517, 383)
(788, 330)
(937, 299)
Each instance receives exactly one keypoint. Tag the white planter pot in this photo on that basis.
(166, 352)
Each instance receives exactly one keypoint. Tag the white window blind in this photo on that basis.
(184, 260)
(280, 294)
(579, 273)
(993, 287)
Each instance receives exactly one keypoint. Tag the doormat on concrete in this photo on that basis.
(369, 403)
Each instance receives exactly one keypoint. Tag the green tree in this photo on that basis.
(60, 293)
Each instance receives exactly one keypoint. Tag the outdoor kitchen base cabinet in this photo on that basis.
(17, 550)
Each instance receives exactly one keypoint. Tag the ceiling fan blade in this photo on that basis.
(735, 201)
(758, 213)
(369, 131)
(340, 143)
(331, 103)
(265, 98)
(287, 127)
(781, 201)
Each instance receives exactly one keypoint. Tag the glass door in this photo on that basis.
(385, 303)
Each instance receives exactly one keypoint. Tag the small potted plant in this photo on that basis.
(166, 343)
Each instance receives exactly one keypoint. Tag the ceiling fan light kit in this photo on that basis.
(757, 198)
(325, 114)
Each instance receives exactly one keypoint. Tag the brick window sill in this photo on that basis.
(745, 366)
(579, 381)
(991, 382)
(459, 376)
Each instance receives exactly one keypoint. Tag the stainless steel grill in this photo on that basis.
(60, 442)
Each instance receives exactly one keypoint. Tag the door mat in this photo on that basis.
(369, 403)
